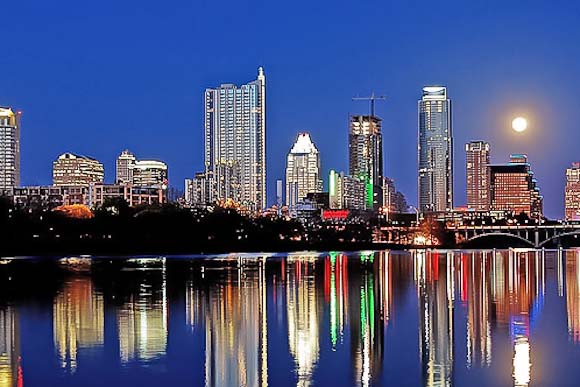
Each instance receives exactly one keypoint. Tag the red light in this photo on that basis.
(335, 214)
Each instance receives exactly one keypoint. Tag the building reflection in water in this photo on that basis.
(10, 367)
(78, 315)
(142, 318)
(573, 294)
(435, 283)
(236, 352)
(475, 287)
(304, 307)
(336, 295)
(366, 317)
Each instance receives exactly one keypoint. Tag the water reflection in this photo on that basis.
(10, 360)
(142, 318)
(236, 346)
(433, 318)
(78, 315)
(303, 306)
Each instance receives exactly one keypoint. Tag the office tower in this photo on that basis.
(514, 189)
(435, 150)
(477, 168)
(345, 192)
(9, 149)
(148, 173)
(125, 163)
(302, 170)
(72, 169)
(365, 156)
(572, 192)
(235, 131)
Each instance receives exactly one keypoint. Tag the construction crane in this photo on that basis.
(372, 98)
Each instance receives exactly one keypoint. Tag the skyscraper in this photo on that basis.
(572, 192)
(477, 168)
(365, 156)
(71, 169)
(9, 149)
(514, 189)
(235, 132)
(435, 150)
(302, 170)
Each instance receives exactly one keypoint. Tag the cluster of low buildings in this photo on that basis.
(78, 179)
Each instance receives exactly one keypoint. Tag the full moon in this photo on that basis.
(519, 124)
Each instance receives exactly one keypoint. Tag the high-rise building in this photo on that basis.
(514, 189)
(365, 156)
(71, 169)
(125, 164)
(345, 192)
(9, 150)
(435, 150)
(572, 192)
(302, 170)
(235, 146)
(477, 168)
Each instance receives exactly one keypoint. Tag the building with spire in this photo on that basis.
(235, 142)
(302, 170)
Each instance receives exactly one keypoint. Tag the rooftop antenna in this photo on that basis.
(372, 98)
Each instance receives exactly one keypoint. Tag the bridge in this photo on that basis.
(534, 235)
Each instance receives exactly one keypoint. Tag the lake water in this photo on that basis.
(421, 318)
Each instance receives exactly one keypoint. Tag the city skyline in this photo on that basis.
(501, 54)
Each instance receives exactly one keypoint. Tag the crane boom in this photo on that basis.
(372, 99)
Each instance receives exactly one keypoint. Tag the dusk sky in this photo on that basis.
(97, 77)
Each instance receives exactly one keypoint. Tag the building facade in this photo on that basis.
(477, 156)
(150, 173)
(124, 167)
(49, 197)
(435, 151)
(365, 156)
(72, 169)
(572, 192)
(9, 150)
(302, 170)
(133, 195)
(235, 146)
(514, 189)
(200, 190)
(144, 173)
(345, 192)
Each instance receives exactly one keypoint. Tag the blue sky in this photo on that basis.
(98, 77)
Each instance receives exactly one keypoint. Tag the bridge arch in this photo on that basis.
(504, 234)
(558, 236)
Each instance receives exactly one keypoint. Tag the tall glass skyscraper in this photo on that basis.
(435, 150)
(235, 141)
(365, 156)
(302, 170)
(9, 149)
